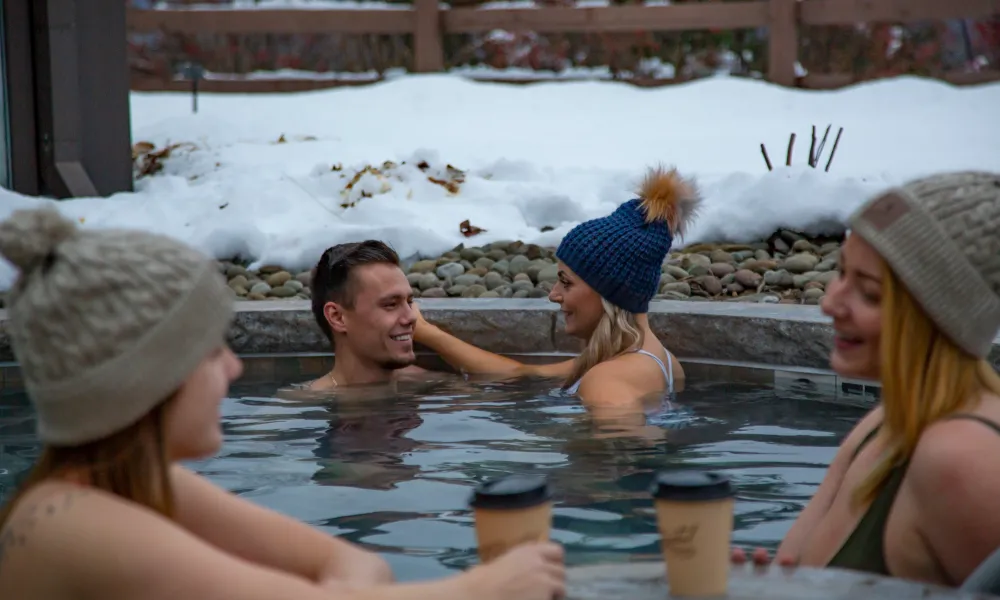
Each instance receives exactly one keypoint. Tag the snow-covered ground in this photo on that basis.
(535, 160)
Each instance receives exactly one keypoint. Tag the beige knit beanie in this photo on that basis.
(941, 236)
(105, 324)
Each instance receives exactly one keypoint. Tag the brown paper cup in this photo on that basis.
(511, 511)
(694, 515)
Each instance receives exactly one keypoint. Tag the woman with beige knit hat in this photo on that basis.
(912, 491)
(121, 339)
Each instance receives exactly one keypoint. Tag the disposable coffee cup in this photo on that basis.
(510, 511)
(694, 515)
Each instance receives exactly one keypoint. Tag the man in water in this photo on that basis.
(363, 303)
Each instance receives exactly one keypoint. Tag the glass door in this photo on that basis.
(4, 118)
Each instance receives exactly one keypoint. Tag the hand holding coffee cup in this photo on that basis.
(531, 571)
(694, 514)
(510, 511)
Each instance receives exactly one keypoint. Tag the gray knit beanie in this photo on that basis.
(941, 237)
(106, 324)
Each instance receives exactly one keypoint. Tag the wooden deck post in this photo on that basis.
(428, 52)
(782, 41)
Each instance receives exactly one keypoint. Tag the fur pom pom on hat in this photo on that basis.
(621, 255)
(106, 324)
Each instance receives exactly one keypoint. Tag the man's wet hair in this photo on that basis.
(332, 280)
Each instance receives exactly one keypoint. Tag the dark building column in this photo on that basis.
(20, 96)
(72, 135)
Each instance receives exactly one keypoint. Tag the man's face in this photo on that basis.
(379, 328)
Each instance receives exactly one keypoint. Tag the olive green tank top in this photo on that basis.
(864, 549)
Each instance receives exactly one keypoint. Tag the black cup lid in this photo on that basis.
(690, 486)
(511, 492)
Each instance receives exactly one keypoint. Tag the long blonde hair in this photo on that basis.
(616, 333)
(925, 378)
(132, 464)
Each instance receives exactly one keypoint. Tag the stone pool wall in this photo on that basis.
(766, 334)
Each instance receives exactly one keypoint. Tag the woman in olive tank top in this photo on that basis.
(912, 490)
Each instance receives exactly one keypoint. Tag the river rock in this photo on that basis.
(677, 272)
(801, 263)
(691, 260)
(501, 266)
(825, 278)
(518, 264)
(472, 254)
(449, 270)
(720, 256)
(493, 280)
(474, 291)
(748, 279)
(812, 295)
(549, 274)
(680, 287)
(826, 265)
(423, 266)
(780, 279)
(711, 284)
(428, 281)
(484, 262)
(522, 285)
(721, 269)
(467, 279)
(281, 292)
(279, 278)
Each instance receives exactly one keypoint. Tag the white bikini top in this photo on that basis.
(668, 371)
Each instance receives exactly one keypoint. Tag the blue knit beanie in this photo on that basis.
(621, 255)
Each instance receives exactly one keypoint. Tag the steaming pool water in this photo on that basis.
(392, 469)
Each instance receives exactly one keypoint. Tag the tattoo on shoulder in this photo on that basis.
(16, 531)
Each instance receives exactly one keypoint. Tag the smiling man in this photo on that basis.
(363, 304)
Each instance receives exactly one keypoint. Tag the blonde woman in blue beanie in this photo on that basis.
(121, 340)
(609, 271)
(912, 491)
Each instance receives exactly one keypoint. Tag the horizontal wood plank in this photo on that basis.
(848, 12)
(730, 15)
(225, 21)
(244, 86)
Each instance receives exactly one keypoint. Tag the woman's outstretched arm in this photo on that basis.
(469, 359)
(105, 547)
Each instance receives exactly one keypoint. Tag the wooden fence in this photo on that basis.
(427, 21)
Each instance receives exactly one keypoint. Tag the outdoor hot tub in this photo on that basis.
(392, 470)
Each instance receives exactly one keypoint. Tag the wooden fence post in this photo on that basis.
(428, 52)
(782, 41)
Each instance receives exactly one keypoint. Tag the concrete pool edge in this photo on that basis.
(780, 335)
(647, 580)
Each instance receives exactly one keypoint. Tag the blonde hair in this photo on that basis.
(925, 378)
(616, 333)
(132, 464)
